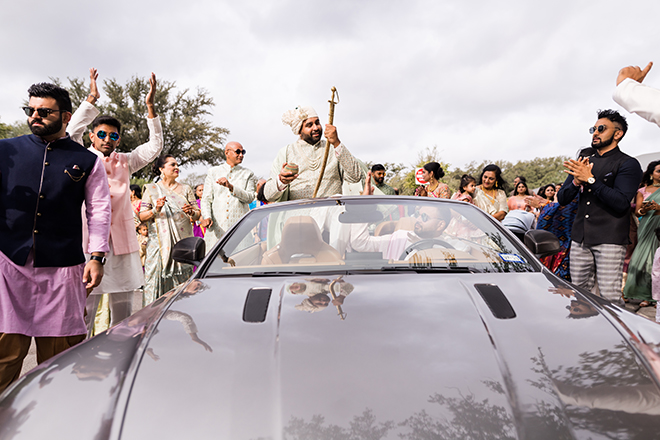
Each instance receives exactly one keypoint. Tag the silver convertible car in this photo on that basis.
(356, 318)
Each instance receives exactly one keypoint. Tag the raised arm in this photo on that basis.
(636, 97)
(151, 97)
(86, 112)
(147, 152)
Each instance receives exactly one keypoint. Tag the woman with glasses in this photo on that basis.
(431, 172)
(169, 208)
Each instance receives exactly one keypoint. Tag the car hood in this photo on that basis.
(412, 356)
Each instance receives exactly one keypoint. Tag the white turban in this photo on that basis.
(295, 118)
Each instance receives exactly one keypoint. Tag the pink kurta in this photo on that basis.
(50, 301)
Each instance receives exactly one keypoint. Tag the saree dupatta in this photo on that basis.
(170, 225)
(638, 283)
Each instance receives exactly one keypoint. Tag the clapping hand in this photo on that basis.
(580, 169)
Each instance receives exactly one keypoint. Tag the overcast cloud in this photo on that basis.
(510, 80)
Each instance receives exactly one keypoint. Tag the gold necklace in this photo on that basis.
(491, 197)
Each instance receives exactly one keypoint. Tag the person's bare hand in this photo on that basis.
(580, 169)
(368, 189)
(151, 96)
(93, 88)
(188, 209)
(647, 206)
(205, 222)
(339, 300)
(160, 203)
(633, 72)
(226, 183)
(92, 274)
(286, 176)
(563, 291)
(535, 201)
(331, 135)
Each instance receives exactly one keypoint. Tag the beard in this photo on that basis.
(313, 138)
(47, 129)
(602, 143)
(379, 181)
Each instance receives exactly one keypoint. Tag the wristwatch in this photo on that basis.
(591, 180)
(97, 258)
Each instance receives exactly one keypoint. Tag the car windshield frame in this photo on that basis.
(218, 262)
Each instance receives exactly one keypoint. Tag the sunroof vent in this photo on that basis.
(256, 304)
(497, 302)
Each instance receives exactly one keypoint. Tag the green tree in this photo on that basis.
(188, 135)
(405, 179)
(18, 128)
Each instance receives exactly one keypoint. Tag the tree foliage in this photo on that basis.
(18, 128)
(538, 172)
(188, 135)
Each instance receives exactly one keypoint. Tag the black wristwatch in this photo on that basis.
(97, 258)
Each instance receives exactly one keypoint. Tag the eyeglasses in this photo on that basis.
(43, 112)
(239, 152)
(114, 136)
(600, 129)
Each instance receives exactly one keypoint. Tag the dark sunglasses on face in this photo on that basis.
(425, 217)
(599, 129)
(43, 112)
(114, 136)
(239, 152)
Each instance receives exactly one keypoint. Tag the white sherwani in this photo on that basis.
(639, 98)
(341, 166)
(222, 206)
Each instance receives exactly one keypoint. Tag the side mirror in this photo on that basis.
(542, 243)
(190, 250)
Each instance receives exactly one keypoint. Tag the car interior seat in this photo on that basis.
(301, 243)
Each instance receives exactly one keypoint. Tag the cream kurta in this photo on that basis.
(341, 166)
(222, 206)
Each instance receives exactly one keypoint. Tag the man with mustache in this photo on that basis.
(123, 273)
(296, 168)
(44, 180)
(606, 179)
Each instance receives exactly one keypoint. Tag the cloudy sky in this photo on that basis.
(509, 80)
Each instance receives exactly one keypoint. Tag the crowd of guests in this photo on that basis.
(539, 208)
(57, 263)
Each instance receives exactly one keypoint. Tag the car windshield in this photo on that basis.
(367, 233)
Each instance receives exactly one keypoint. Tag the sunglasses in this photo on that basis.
(114, 136)
(599, 129)
(43, 112)
(243, 152)
(425, 217)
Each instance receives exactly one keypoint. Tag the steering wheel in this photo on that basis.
(424, 243)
